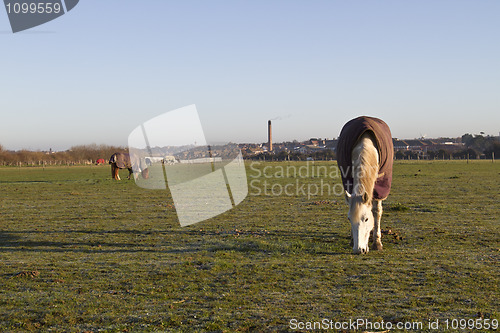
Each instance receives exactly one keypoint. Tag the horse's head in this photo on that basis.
(361, 217)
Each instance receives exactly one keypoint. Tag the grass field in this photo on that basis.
(80, 252)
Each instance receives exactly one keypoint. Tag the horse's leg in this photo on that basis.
(130, 171)
(377, 234)
(113, 171)
(117, 173)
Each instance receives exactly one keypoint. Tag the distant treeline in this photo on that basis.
(484, 146)
(84, 154)
(474, 147)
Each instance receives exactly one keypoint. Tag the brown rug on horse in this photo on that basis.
(349, 136)
(122, 160)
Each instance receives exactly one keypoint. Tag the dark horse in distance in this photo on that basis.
(122, 161)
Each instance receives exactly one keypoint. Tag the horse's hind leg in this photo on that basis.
(377, 234)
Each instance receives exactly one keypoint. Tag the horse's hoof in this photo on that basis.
(377, 246)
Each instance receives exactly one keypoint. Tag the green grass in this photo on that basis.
(109, 256)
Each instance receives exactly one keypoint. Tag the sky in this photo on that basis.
(98, 72)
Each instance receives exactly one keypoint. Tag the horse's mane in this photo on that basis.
(365, 166)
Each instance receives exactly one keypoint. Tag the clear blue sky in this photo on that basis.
(97, 72)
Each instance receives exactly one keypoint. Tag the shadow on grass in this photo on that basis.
(6, 237)
(177, 242)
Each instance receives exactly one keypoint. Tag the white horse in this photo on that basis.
(364, 212)
(365, 150)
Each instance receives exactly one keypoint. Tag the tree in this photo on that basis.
(495, 148)
(467, 139)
